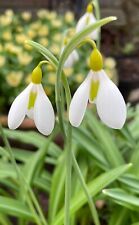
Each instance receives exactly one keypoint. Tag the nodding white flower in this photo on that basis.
(72, 58)
(34, 103)
(99, 89)
(87, 19)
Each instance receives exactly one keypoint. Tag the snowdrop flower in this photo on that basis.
(34, 103)
(100, 90)
(72, 58)
(87, 19)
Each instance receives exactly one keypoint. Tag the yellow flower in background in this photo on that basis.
(55, 49)
(57, 37)
(14, 78)
(36, 25)
(51, 15)
(50, 68)
(7, 36)
(68, 71)
(19, 29)
(2, 60)
(79, 78)
(42, 13)
(44, 31)
(10, 47)
(110, 63)
(43, 41)
(26, 15)
(56, 23)
(24, 59)
(28, 78)
(69, 17)
(5, 20)
(52, 78)
(9, 13)
(31, 34)
(20, 38)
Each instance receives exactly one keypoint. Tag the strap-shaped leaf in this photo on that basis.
(94, 187)
(16, 208)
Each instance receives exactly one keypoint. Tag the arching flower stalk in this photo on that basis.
(97, 88)
(34, 103)
(87, 19)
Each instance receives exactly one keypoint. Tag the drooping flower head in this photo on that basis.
(97, 88)
(87, 19)
(34, 103)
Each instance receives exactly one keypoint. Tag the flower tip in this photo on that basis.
(73, 122)
(104, 191)
(113, 18)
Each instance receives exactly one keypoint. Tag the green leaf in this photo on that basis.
(57, 188)
(94, 187)
(44, 51)
(15, 208)
(123, 198)
(90, 145)
(103, 136)
(119, 216)
(131, 181)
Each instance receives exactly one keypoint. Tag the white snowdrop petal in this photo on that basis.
(110, 103)
(69, 62)
(79, 102)
(81, 23)
(44, 117)
(86, 20)
(18, 108)
(95, 33)
(73, 57)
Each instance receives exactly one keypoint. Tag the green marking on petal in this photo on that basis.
(94, 90)
(87, 20)
(32, 98)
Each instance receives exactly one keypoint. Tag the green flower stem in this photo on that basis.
(68, 176)
(83, 184)
(88, 40)
(21, 177)
(97, 8)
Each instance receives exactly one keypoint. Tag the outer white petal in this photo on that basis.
(73, 57)
(18, 108)
(94, 34)
(110, 103)
(44, 117)
(79, 102)
(82, 24)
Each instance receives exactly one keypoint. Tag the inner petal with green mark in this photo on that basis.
(32, 99)
(93, 90)
(87, 20)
